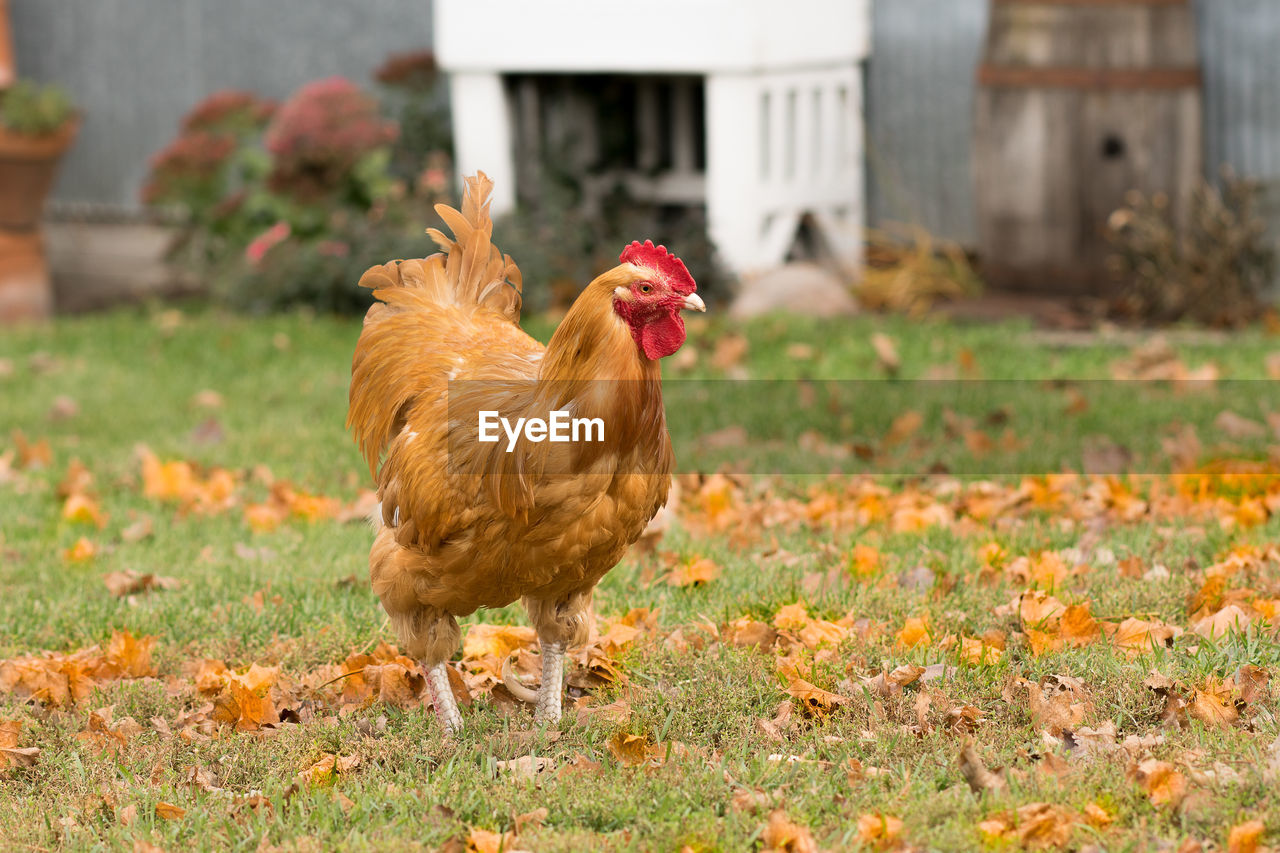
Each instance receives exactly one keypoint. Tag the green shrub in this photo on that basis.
(33, 110)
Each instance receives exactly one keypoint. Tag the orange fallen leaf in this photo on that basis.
(326, 770)
(168, 811)
(694, 573)
(791, 617)
(1035, 825)
(1160, 780)
(1138, 637)
(1244, 837)
(629, 750)
(865, 560)
(82, 509)
(496, 640)
(1214, 704)
(81, 552)
(781, 835)
(915, 632)
(815, 701)
(879, 829)
(12, 755)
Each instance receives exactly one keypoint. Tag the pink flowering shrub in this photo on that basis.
(289, 204)
(190, 167)
(321, 133)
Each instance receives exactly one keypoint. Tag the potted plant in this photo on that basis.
(37, 125)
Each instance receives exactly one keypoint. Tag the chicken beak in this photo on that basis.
(693, 302)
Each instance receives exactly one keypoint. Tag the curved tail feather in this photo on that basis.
(469, 271)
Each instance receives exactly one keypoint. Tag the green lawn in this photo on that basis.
(97, 387)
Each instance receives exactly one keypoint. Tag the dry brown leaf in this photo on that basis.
(1137, 637)
(129, 582)
(914, 633)
(975, 772)
(1250, 682)
(879, 830)
(886, 353)
(774, 728)
(747, 632)
(903, 427)
(12, 755)
(327, 769)
(1223, 622)
(1244, 837)
(580, 765)
(1214, 704)
(695, 572)
(629, 750)
(1161, 782)
(815, 701)
(780, 835)
(1035, 825)
(168, 811)
(526, 766)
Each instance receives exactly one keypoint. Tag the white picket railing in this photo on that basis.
(755, 113)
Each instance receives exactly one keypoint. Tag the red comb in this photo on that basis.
(661, 261)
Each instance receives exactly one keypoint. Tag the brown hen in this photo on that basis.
(464, 523)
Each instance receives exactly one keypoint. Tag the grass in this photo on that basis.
(282, 380)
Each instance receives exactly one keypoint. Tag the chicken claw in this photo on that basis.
(442, 698)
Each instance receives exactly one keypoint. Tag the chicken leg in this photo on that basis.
(546, 708)
(442, 698)
(560, 623)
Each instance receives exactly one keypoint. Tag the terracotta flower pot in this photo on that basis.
(28, 166)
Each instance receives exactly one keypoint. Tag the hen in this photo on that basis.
(465, 523)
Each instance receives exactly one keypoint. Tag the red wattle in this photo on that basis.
(662, 336)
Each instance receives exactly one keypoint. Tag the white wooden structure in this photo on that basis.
(751, 107)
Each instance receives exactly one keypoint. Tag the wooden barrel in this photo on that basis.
(1078, 102)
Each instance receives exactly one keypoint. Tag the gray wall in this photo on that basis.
(136, 66)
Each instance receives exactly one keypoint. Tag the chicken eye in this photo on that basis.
(644, 288)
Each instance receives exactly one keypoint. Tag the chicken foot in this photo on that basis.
(546, 700)
(442, 698)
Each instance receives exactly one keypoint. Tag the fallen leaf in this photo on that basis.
(12, 755)
(628, 749)
(975, 772)
(914, 633)
(526, 766)
(81, 552)
(128, 582)
(1214, 705)
(815, 701)
(695, 572)
(781, 835)
(168, 811)
(886, 353)
(879, 830)
(1160, 780)
(1244, 837)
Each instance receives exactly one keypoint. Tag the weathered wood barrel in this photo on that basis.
(1079, 101)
